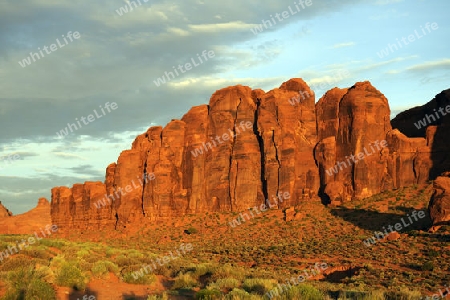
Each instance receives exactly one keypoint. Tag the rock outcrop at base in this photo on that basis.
(247, 146)
(439, 207)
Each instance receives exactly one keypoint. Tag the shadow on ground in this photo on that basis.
(132, 296)
(339, 275)
(78, 295)
(375, 221)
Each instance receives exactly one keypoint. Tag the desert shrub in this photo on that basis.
(204, 269)
(302, 291)
(404, 294)
(238, 294)
(84, 265)
(227, 271)
(83, 252)
(16, 262)
(57, 262)
(28, 284)
(428, 266)
(375, 295)
(39, 289)
(123, 260)
(191, 230)
(38, 252)
(70, 253)
(225, 283)
(135, 254)
(70, 275)
(94, 257)
(135, 278)
(52, 243)
(184, 281)
(164, 270)
(208, 295)
(258, 285)
(111, 252)
(355, 295)
(158, 297)
(46, 273)
(103, 267)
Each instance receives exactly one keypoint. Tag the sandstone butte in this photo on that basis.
(287, 148)
(27, 223)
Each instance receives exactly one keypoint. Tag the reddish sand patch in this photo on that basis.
(112, 289)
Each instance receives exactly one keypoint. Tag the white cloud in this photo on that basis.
(431, 65)
(218, 27)
(342, 45)
(178, 31)
(68, 155)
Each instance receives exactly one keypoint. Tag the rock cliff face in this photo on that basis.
(430, 122)
(247, 146)
(439, 207)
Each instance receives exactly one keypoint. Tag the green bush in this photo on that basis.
(204, 269)
(158, 297)
(28, 284)
(227, 271)
(258, 285)
(16, 262)
(123, 260)
(134, 278)
(103, 267)
(404, 294)
(238, 294)
(191, 230)
(53, 243)
(37, 252)
(428, 266)
(226, 283)
(39, 289)
(184, 281)
(70, 275)
(302, 291)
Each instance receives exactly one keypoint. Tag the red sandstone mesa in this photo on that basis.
(286, 149)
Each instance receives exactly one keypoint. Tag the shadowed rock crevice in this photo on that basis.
(259, 138)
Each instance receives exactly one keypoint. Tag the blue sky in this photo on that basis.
(117, 58)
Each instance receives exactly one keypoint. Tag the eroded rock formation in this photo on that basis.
(439, 207)
(247, 146)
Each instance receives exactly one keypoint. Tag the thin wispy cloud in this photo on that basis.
(431, 65)
(343, 45)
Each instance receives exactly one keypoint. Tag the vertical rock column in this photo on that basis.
(289, 136)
